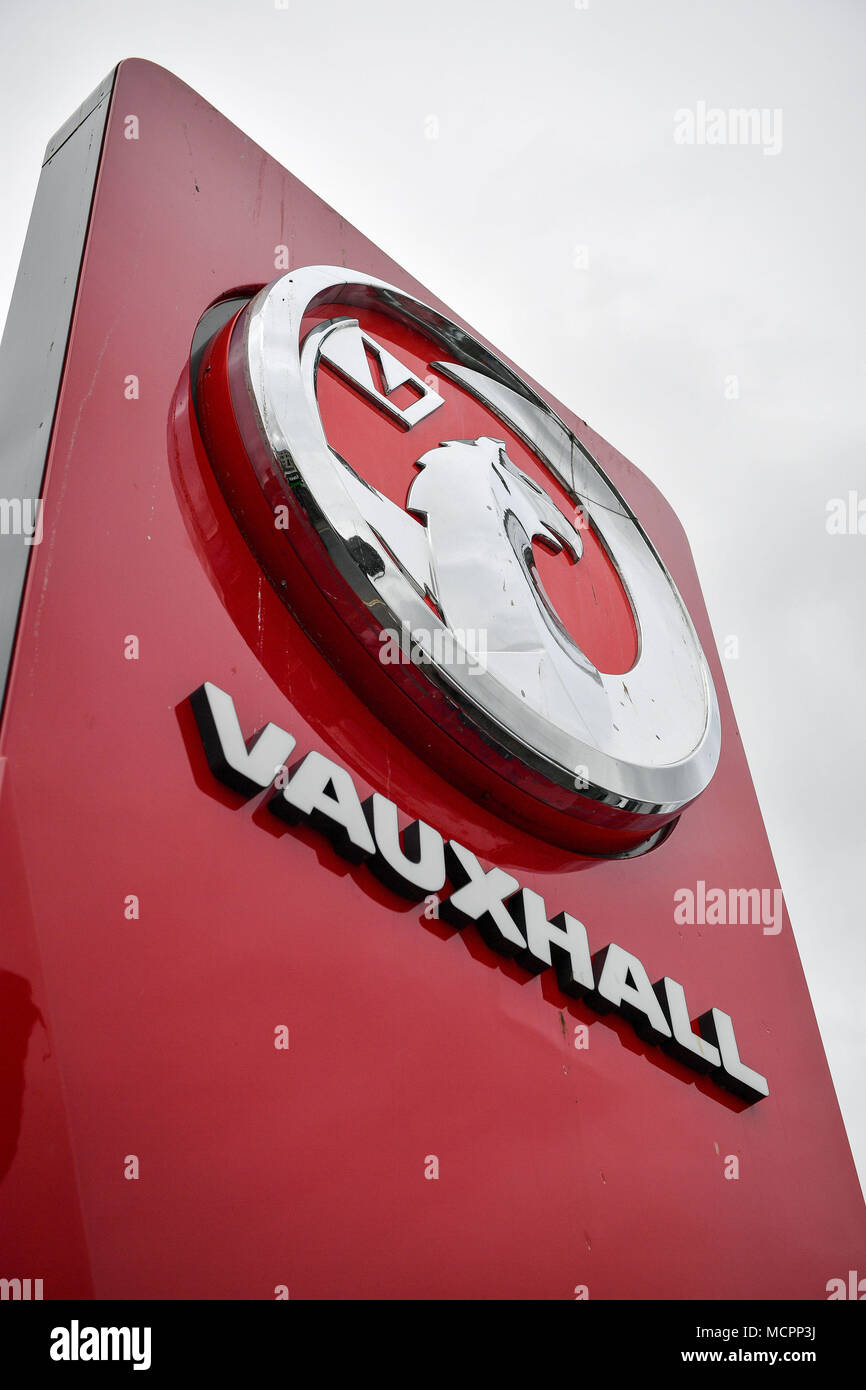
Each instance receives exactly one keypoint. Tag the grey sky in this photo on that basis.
(633, 276)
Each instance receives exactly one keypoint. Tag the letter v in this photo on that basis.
(245, 767)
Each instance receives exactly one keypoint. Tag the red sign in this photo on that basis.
(237, 1062)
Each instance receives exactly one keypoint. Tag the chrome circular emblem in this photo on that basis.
(444, 592)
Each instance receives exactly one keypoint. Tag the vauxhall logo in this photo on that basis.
(602, 761)
(513, 920)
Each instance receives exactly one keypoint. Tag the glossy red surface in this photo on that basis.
(154, 1037)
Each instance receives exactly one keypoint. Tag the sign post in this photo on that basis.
(390, 913)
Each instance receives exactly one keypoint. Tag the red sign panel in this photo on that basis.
(248, 1059)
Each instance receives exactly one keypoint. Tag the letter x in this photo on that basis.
(479, 899)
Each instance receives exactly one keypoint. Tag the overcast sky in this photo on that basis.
(699, 304)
